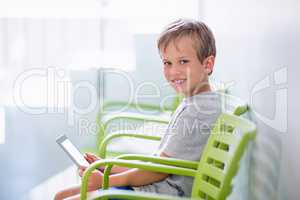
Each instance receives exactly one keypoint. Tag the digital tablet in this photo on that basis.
(72, 151)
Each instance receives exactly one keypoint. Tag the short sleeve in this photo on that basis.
(187, 137)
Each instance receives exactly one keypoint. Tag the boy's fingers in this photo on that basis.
(93, 156)
(86, 155)
(90, 155)
(80, 172)
(88, 159)
(83, 168)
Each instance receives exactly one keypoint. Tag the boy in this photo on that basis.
(187, 49)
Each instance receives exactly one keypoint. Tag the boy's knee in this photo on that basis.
(59, 196)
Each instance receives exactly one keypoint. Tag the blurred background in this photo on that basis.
(61, 60)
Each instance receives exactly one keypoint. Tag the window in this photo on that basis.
(66, 35)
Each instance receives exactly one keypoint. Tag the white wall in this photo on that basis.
(259, 40)
(146, 84)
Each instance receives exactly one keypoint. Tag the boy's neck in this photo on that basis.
(205, 88)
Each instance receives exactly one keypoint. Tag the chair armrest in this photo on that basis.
(131, 164)
(161, 160)
(134, 116)
(144, 106)
(241, 109)
(107, 139)
(130, 116)
(135, 195)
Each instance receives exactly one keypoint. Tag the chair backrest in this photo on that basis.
(220, 159)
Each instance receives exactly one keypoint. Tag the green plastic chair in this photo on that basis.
(212, 175)
(105, 117)
(104, 122)
(239, 110)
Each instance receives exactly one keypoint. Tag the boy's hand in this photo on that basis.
(91, 157)
(94, 180)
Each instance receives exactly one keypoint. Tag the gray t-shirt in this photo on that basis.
(185, 138)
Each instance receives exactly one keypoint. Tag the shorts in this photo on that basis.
(121, 188)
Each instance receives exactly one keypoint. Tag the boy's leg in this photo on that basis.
(76, 197)
(67, 192)
(89, 195)
(93, 193)
(121, 188)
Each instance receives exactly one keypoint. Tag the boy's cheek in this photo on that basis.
(165, 74)
(167, 77)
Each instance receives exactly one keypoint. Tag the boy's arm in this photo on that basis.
(136, 177)
(93, 158)
(115, 169)
(131, 177)
(118, 169)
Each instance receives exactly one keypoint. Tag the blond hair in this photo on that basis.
(198, 31)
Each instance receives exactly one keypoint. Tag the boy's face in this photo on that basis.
(182, 68)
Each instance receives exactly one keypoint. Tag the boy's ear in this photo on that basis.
(209, 64)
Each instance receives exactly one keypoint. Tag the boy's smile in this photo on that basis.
(183, 69)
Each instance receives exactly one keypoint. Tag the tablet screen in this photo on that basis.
(72, 151)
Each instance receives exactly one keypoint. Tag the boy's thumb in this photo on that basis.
(80, 172)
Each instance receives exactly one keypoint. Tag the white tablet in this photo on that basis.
(72, 151)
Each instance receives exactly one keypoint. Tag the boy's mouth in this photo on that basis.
(178, 82)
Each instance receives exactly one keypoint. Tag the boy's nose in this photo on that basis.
(174, 73)
(175, 70)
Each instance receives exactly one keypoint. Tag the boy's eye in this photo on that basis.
(166, 63)
(183, 61)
